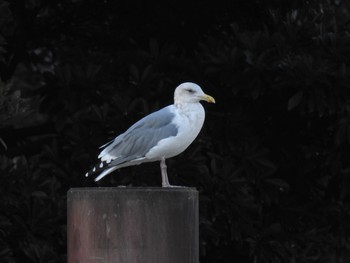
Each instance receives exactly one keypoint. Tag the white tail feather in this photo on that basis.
(105, 172)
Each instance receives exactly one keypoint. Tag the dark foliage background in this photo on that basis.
(272, 163)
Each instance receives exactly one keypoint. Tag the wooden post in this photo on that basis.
(132, 225)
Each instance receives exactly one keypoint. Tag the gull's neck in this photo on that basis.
(185, 105)
(187, 108)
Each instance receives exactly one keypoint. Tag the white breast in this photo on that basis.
(189, 121)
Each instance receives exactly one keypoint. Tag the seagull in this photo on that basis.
(158, 136)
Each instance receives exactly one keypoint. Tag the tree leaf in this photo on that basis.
(295, 100)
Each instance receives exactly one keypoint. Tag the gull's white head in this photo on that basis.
(189, 92)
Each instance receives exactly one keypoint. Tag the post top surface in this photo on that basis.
(134, 189)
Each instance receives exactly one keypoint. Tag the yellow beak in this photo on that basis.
(208, 98)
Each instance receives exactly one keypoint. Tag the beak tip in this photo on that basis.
(210, 99)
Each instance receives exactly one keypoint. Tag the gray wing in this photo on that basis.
(140, 137)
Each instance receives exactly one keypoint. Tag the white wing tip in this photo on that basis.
(106, 157)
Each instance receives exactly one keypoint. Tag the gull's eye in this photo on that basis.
(191, 91)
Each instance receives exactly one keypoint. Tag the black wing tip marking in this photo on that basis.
(97, 168)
